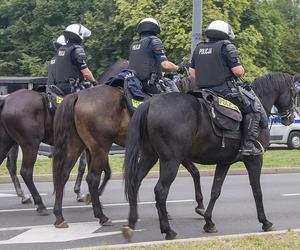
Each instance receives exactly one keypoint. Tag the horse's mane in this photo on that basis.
(112, 70)
(273, 81)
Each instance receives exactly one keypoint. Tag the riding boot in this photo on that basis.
(250, 131)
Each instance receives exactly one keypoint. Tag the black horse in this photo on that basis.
(182, 131)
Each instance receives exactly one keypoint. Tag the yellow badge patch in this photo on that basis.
(136, 103)
(225, 103)
(59, 99)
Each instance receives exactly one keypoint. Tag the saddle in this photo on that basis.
(225, 116)
(133, 89)
(55, 97)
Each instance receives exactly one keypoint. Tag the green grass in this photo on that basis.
(286, 241)
(272, 159)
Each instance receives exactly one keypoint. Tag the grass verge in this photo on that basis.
(289, 240)
(272, 159)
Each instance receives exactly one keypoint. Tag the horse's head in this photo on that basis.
(277, 89)
(285, 103)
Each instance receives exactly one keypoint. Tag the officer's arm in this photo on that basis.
(234, 60)
(160, 55)
(88, 75)
(238, 71)
(80, 59)
(192, 74)
(169, 66)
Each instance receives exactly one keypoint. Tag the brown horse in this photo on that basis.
(94, 119)
(26, 120)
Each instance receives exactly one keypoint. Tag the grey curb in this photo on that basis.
(155, 174)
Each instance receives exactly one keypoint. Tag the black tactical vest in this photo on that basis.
(211, 69)
(141, 59)
(64, 68)
(51, 71)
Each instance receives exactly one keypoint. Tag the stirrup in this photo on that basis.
(251, 151)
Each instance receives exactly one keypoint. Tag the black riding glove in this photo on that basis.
(94, 83)
(181, 69)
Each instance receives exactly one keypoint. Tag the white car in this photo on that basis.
(288, 135)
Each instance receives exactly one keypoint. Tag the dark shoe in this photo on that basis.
(249, 148)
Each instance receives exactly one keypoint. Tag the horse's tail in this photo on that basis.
(137, 135)
(64, 128)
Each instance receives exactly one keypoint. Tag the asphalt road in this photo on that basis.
(21, 228)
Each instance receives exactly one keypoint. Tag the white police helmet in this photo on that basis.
(76, 31)
(148, 24)
(219, 30)
(60, 41)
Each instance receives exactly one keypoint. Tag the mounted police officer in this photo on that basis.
(216, 66)
(148, 56)
(70, 64)
(60, 41)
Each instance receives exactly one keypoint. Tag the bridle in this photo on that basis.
(290, 111)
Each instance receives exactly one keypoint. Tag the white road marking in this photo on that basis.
(39, 226)
(86, 206)
(6, 195)
(48, 233)
(295, 194)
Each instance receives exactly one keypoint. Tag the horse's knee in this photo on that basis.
(93, 179)
(215, 194)
(107, 173)
(26, 173)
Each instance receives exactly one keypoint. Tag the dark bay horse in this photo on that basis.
(94, 119)
(183, 132)
(26, 120)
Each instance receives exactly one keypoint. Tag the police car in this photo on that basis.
(288, 135)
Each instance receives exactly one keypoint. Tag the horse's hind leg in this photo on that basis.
(168, 172)
(81, 169)
(98, 157)
(107, 175)
(198, 192)
(145, 163)
(11, 165)
(29, 158)
(253, 165)
(62, 166)
(219, 177)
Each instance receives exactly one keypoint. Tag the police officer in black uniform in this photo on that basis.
(148, 56)
(60, 41)
(70, 65)
(216, 66)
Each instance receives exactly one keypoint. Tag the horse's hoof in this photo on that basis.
(169, 217)
(127, 232)
(108, 222)
(171, 235)
(88, 199)
(26, 199)
(210, 228)
(42, 211)
(61, 225)
(200, 211)
(80, 198)
(268, 227)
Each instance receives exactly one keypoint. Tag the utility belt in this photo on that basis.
(73, 85)
(158, 84)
